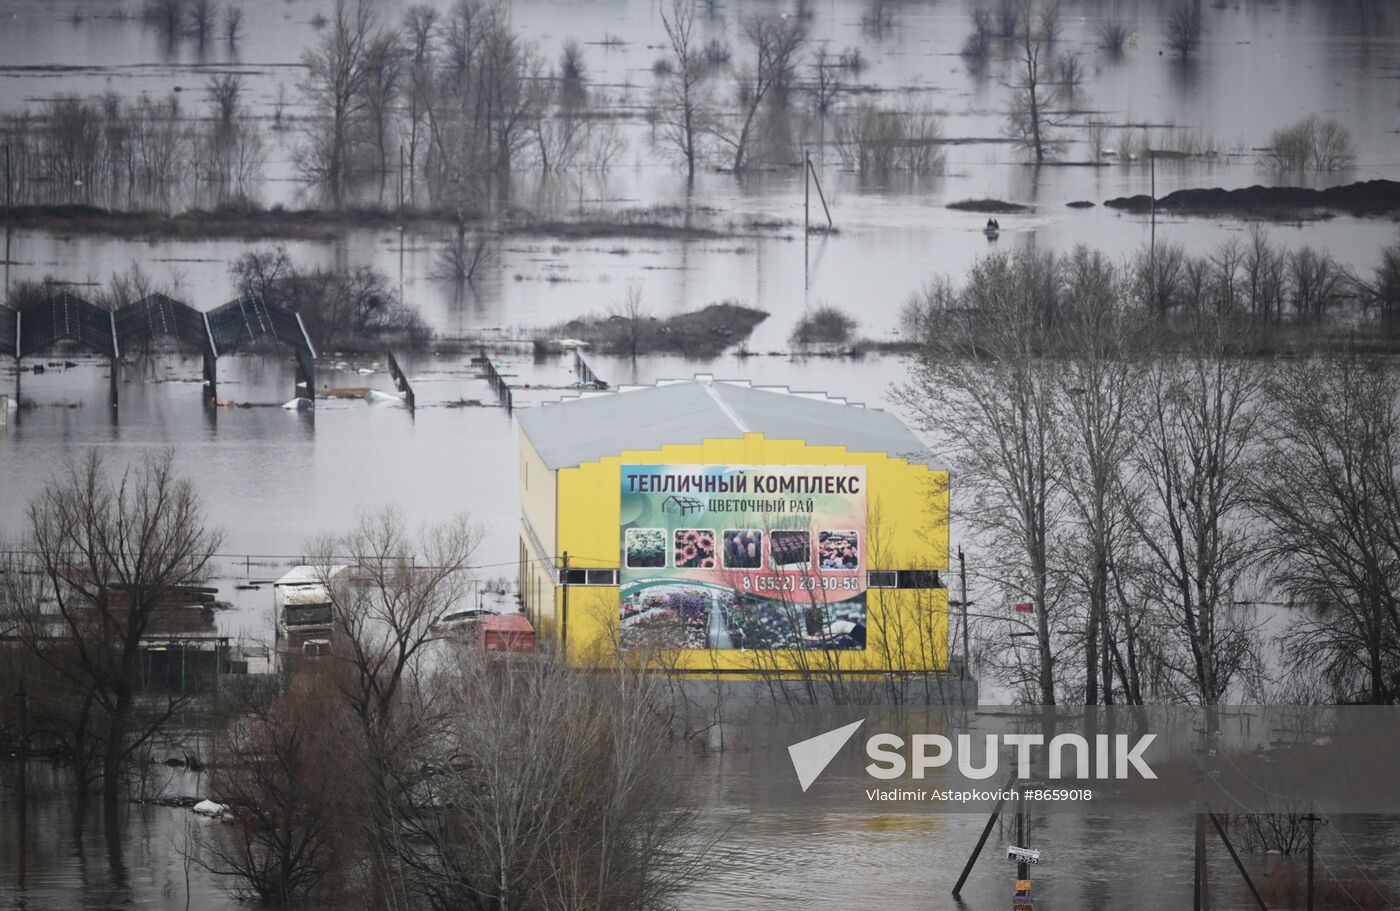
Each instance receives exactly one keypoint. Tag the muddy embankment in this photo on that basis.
(703, 333)
(1370, 197)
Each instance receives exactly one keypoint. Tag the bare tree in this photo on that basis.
(977, 46)
(826, 81)
(876, 140)
(776, 43)
(1383, 292)
(1113, 35)
(554, 787)
(1194, 464)
(384, 607)
(338, 72)
(998, 410)
(383, 84)
(357, 302)
(683, 107)
(1317, 281)
(224, 94)
(1265, 276)
(1160, 275)
(233, 22)
(283, 776)
(632, 317)
(1184, 28)
(572, 67)
(1035, 92)
(202, 18)
(463, 255)
(1311, 144)
(420, 26)
(166, 15)
(1332, 539)
(116, 552)
(1100, 384)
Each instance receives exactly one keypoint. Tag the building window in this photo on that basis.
(905, 578)
(919, 578)
(588, 577)
(884, 578)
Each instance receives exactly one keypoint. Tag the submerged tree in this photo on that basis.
(1311, 144)
(776, 42)
(553, 787)
(338, 72)
(284, 778)
(117, 552)
(683, 107)
(393, 589)
(1184, 28)
(1035, 92)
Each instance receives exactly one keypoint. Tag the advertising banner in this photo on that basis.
(743, 557)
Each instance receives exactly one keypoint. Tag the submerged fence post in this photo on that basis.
(400, 380)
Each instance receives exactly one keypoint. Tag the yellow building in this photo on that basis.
(733, 529)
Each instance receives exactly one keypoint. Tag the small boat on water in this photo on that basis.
(992, 232)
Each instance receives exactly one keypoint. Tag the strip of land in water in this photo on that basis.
(1370, 197)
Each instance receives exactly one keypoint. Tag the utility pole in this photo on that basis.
(1201, 896)
(564, 609)
(1201, 888)
(1310, 819)
(806, 221)
(962, 596)
(1021, 871)
(1152, 207)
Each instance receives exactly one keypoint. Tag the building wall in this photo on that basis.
(907, 629)
(537, 492)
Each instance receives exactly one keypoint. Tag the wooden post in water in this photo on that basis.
(400, 380)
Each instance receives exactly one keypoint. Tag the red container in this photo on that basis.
(505, 633)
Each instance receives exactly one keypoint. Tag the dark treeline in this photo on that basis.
(1151, 485)
(1275, 290)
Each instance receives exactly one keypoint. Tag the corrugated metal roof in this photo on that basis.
(593, 425)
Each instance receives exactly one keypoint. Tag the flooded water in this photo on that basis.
(1262, 66)
(274, 478)
(760, 861)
